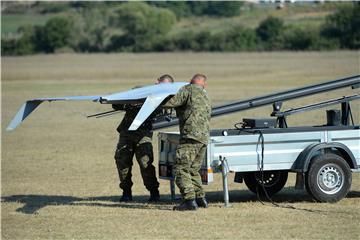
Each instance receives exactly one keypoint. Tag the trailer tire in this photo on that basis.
(329, 178)
(274, 181)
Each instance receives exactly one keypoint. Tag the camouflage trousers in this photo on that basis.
(140, 146)
(189, 157)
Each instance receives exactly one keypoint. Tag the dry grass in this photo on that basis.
(59, 179)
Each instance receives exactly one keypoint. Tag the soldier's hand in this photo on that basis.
(119, 106)
(162, 118)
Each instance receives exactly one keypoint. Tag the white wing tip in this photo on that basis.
(135, 125)
(9, 129)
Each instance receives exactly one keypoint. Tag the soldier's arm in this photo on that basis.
(126, 107)
(178, 99)
(119, 106)
(162, 112)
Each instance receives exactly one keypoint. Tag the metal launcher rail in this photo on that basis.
(277, 99)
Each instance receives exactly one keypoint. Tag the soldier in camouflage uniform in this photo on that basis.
(193, 109)
(138, 143)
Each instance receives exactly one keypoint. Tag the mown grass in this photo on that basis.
(59, 179)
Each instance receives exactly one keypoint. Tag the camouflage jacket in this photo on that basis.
(130, 114)
(193, 109)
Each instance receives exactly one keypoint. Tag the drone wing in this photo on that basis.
(29, 106)
(139, 95)
(149, 106)
(151, 96)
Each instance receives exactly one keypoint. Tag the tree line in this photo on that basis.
(145, 27)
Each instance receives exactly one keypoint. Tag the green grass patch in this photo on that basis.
(10, 23)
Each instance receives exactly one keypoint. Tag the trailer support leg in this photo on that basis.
(172, 189)
(225, 171)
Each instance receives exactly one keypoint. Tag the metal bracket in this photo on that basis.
(225, 171)
(281, 119)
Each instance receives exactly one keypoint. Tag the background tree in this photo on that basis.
(299, 39)
(55, 34)
(200, 8)
(26, 44)
(344, 25)
(238, 38)
(270, 31)
(92, 30)
(224, 9)
(23, 45)
(180, 8)
(147, 26)
(143, 24)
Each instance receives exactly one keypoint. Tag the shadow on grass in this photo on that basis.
(33, 203)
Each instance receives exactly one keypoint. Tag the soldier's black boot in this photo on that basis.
(154, 196)
(201, 202)
(187, 205)
(126, 197)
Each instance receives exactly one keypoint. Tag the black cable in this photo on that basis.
(261, 167)
(260, 162)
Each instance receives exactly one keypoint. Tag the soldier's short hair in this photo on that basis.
(166, 77)
(199, 76)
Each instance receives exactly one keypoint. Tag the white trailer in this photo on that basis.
(263, 151)
(324, 157)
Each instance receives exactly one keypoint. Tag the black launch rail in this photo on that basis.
(276, 99)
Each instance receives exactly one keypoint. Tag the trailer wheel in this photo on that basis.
(329, 178)
(273, 182)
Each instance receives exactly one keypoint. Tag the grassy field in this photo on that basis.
(59, 179)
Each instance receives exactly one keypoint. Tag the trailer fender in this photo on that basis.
(303, 160)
